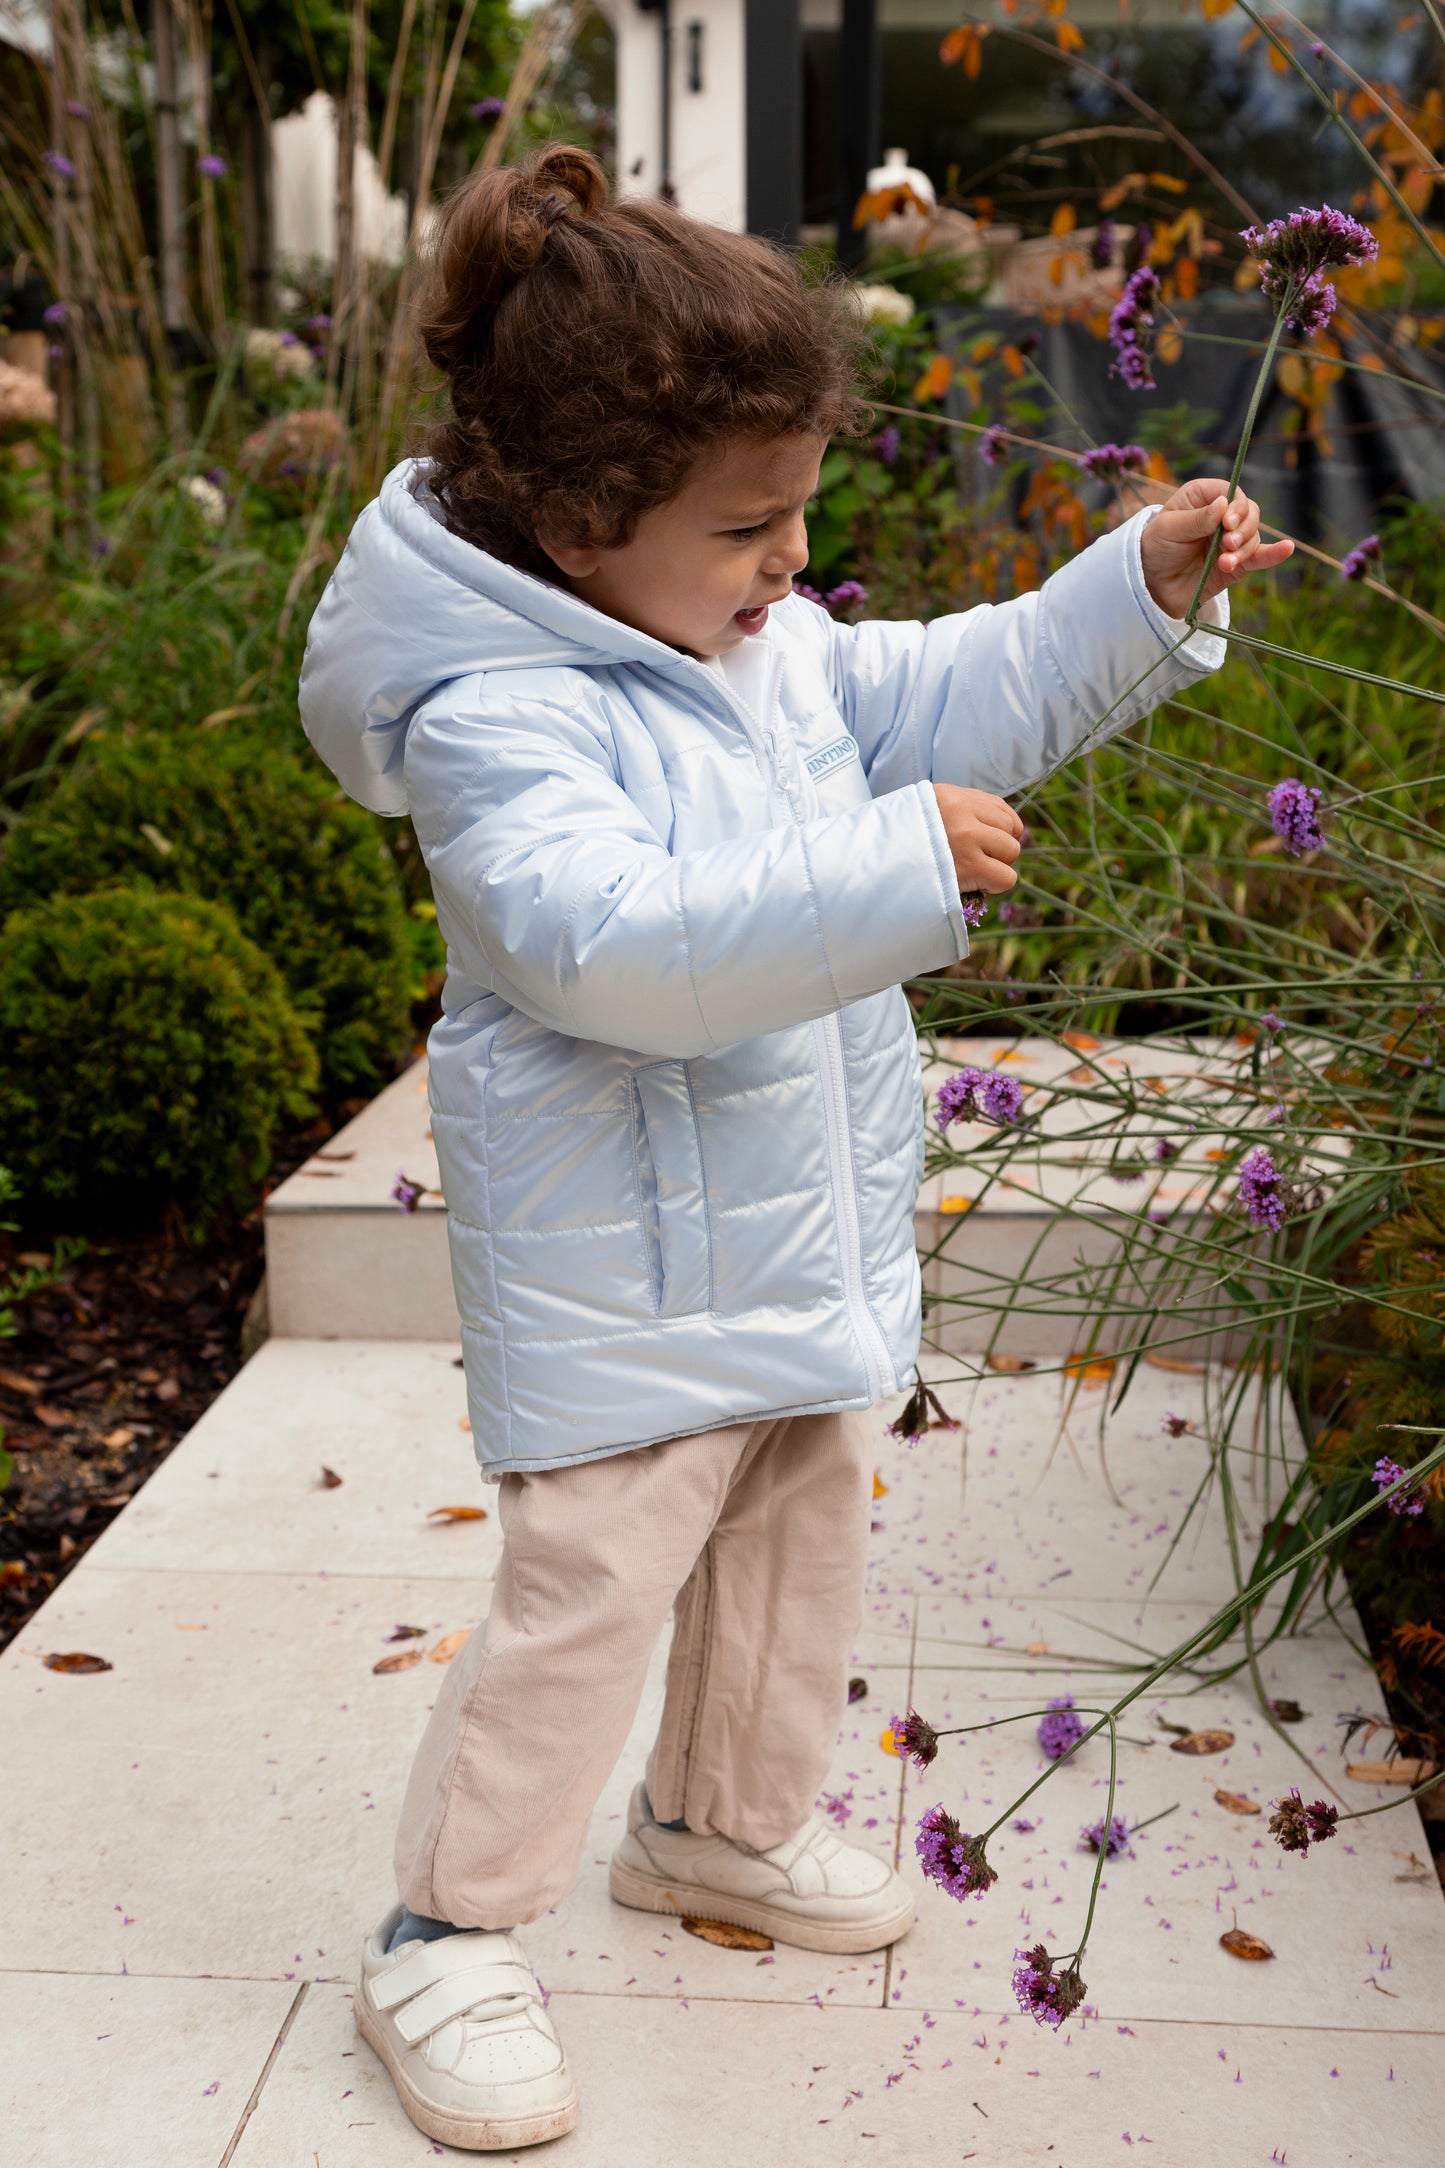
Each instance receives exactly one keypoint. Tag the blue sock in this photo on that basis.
(679, 1824)
(416, 1927)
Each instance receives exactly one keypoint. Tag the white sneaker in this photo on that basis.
(460, 2026)
(813, 1890)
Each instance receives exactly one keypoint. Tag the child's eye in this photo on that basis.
(745, 534)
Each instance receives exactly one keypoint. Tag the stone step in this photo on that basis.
(344, 1260)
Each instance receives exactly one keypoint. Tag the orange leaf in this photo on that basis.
(725, 1935)
(1202, 1742)
(448, 1645)
(973, 60)
(1081, 1042)
(935, 379)
(955, 45)
(955, 1204)
(402, 1661)
(1239, 1944)
(1012, 360)
(457, 1513)
(1186, 277)
(1169, 182)
(75, 1660)
(1010, 1366)
(1236, 1803)
(1064, 220)
(1213, 9)
(887, 1741)
(1114, 196)
(1278, 60)
(880, 1488)
(1168, 347)
(1068, 38)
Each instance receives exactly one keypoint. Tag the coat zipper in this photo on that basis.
(828, 1038)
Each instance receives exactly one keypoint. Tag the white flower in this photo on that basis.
(208, 500)
(883, 304)
(277, 353)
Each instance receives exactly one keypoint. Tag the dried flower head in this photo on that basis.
(1043, 1993)
(1130, 324)
(1407, 1503)
(915, 1739)
(1111, 462)
(1061, 1728)
(1293, 255)
(1163, 1149)
(1356, 562)
(1295, 1826)
(951, 1858)
(1174, 1426)
(1113, 1842)
(26, 402)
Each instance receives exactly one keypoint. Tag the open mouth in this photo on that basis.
(752, 620)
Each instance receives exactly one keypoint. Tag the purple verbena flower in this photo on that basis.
(973, 1095)
(1295, 1826)
(213, 166)
(318, 324)
(1113, 1844)
(993, 446)
(973, 907)
(1061, 1728)
(1111, 462)
(1101, 248)
(848, 595)
(487, 110)
(888, 443)
(1355, 563)
(56, 314)
(1163, 1150)
(951, 1858)
(1174, 1426)
(1272, 1022)
(1406, 1503)
(1295, 252)
(406, 1193)
(1294, 813)
(76, 110)
(1043, 1993)
(915, 1739)
(61, 166)
(809, 594)
(1267, 1198)
(1131, 320)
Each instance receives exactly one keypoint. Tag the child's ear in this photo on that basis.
(576, 559)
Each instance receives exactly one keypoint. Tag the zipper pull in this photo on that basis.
(783, 770)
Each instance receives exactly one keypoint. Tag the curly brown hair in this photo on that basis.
(596, 349)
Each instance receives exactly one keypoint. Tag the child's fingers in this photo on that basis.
(1258, 557)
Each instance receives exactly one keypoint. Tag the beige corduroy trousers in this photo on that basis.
(755, 1537)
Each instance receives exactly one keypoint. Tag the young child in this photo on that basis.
(686, 836)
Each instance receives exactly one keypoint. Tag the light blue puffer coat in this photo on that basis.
(676, 1092)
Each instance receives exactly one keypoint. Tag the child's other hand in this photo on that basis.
(1174, 543)
(985, 837)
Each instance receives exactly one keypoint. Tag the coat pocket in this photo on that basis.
(670, 1189)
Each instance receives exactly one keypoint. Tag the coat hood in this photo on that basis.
(412, 606)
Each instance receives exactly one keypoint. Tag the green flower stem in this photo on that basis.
(1328, 361)
(1083, 1943)
(1266, 371)
(1337, 669)
(1149, 1820)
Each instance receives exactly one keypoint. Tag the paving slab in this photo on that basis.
(728, 2085)
(216, 1811)
(99, 2072)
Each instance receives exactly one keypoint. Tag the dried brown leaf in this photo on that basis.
(75, 1660)
(402, 1661)
(1202, 1742)
(1236, 1803)
(448, 1645)
(1036, 1648)
(1010, 1366)
(1404, 1770)
(330, 1480)
(457, 1513)
(726, 1936)
(16, 1383)
(1175, 1362)
(1240, 1944)
(408, 1633)
(1287, 1712)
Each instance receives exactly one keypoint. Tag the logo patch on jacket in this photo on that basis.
(836, 755)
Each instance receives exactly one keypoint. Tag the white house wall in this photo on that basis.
(708, 125)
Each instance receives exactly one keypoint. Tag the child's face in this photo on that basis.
(700, 571)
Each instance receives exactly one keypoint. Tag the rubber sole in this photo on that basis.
(686, 1900)
(475, 2134)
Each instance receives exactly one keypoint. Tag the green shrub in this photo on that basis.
(148, 1052)
(306, 873)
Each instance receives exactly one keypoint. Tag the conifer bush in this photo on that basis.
(148, 1054)
(239, 821)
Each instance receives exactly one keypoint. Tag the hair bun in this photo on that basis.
(491, 232)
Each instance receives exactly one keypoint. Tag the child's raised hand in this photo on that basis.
(1174, 543)
(985, 837)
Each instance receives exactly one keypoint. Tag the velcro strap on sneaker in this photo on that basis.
(485, 1991)
(436, 1988)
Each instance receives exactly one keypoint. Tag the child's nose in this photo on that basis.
(790, 554)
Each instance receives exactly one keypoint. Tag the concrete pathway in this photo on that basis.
(196, 1839)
